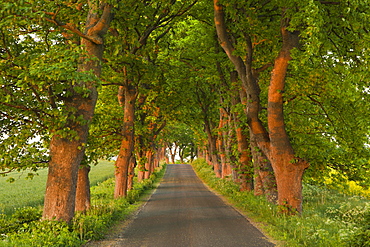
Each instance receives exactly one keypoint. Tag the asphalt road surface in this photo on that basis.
(182, 212)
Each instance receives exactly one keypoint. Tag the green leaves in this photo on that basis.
(171, 59)
(39, 72)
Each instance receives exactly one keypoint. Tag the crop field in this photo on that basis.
(23, 192)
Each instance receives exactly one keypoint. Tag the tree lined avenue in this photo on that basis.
(269, 93)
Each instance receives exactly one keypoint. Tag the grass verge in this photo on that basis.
(24, 228)
(329, 219)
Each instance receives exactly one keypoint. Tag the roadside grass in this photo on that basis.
(24, 228)
(329, 218)
(26, 192)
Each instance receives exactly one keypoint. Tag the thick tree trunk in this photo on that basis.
(288, 172)
(60, 195)
(66, 154)
(83, 189)
(128, 94)
(288, 168)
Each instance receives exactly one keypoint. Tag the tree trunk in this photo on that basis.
(60, 195)
(167, 159)
(181, 154)
(288, 168)
(202, 153)
(141, 174)
(228, 136)
(212, 152)
(66, 154)
(128, 94)
(221, 145)
(83, 189)
(161, 155)
(131, 173)
(148, 164)
(244, 169)
(173, 152)
(245, 160)
(141, 159)
(265, 181)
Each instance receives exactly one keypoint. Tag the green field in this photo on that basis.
(30, 192)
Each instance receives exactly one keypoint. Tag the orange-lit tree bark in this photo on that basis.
(275, 144)
(83, 201)
(288, 168)
(67, 153)
(149, 164)
(127, 97)
(131, 173)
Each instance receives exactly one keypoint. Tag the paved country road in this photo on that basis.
(182, 212)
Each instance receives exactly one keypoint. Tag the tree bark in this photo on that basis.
(220, 144)
(288, 168)
(229, 139)
(131, 173)
(66, 154)
(173, 152)
(212, 147)
(148, 164)
(265, 182)
(83, 189)
(128, 95)
(245, 169)
(140, 158)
